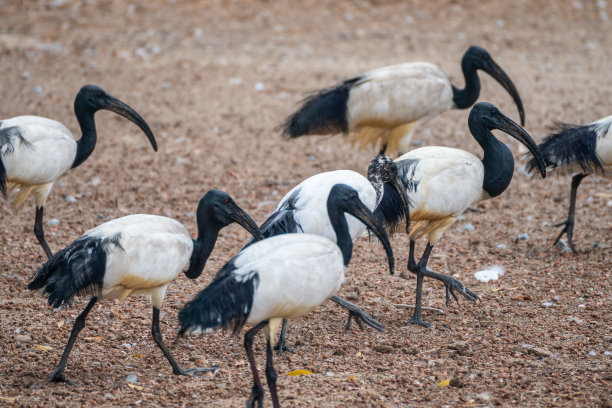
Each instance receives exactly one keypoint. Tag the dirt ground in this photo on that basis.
(213, 79)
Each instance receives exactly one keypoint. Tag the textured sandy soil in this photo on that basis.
(213, 79)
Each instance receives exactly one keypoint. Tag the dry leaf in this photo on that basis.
(136, 387)
(97, 338)
(299, 372)
(43, 348)
(358, 354)
(351, 378)
(444, 383)
(9, 399)
(138, 355)
(60, 324)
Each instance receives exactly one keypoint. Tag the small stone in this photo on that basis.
(563, 246)
(70, 199)
(127, 345)
(23, 338)
(95, 181)
(25, 74)
(467, 227)
(592, 353)
(110, 396)
(131, 378)
(53, 221)
(36, 89)
(461, 347)
(383, 349)
(539, 352)
(547, 304)
(502, 246)
(597, 245)
(522, 237)
(181, 160)
(259, 86)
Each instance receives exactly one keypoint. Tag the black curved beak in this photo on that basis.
(359, 210)
(508, 126)
(240, 216)
(397, 185)
(120, 108)
(490, 67)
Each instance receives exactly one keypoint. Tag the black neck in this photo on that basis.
(87, 142)
(466, 97)
(343, 239)
(497, 160)
(202, 248)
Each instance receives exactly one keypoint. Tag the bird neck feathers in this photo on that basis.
(202, 248)
(498, 165)
(87, 142)
(464, 98)
(343, 239)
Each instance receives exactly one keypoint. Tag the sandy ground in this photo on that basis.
(213, 79)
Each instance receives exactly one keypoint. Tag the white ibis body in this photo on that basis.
(578, 150)
(35, 151)
(443, 182)
(284, 276)
(385, 105)
(136, 255)
(304, 210)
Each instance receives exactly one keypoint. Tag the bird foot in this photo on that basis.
(257, 394)
(281, 346)
(417, 320)
(568, 229)
(197, 371)
(58, 376)
(362, 317)
(451, 285)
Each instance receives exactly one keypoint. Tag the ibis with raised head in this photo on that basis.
(36, 151)
(284, 276)
(387, 104)
(581, 151)
(443, 182)
(304, 210)
(136, 255)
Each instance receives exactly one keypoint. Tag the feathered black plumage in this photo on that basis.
(321, 113)
(225, 303)
(75, 270)
(390, 211)
(570, 145)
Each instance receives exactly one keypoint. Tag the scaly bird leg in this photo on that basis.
(257, 392)
(281, 344)
(422, 266)
(39, 232)
(568, 224)
(359, 315)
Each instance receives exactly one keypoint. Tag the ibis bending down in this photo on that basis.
(386, 104)
(443, 182)
(304, 210)
(35, 151)
(136, 255)
(284, 276)
(578, 150)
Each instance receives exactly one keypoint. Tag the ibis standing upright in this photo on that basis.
(578, 150)
(36, 151)
(304, 210)
(443, 182)
(284, 276)
(136, 255)
(385, 105)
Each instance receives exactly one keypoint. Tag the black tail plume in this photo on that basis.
(75, 270)
(570, 145)
(321, 113)
(225, 303)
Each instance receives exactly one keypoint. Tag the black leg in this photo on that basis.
(416, 317)
(568, 224)
(358, 314)
(257, 393)
(383, 149)
(40, 233)
(281, 344)
(412, 265)
(176, 368)
(271, 375)
(58, 375)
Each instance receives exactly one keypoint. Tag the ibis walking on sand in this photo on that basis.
(304, 210)
(136, 255)
(284, 276)
(385, 105)
(581, 151)
(36, 151)
(443, 182)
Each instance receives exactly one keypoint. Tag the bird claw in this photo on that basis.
(198, 371)
(257, 394)
(281, 346)
(58, 376)
(417, 320)
(568, 229)
(362, 317)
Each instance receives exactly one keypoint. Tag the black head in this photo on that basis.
(486, 115)
(218, 210)
(92, 98)
(479, 58)
(345, 199)
(383, 169)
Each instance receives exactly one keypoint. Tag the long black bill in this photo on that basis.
(397, 185)
(490, 67)
(120, 108)
(508, 126)
(241, 217)
(360, 211)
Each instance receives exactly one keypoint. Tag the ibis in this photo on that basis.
(581, 151)
(136, 255)
(284, 276)
(386, 105)
(36, 151)
(304, 210)
(443, 182)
